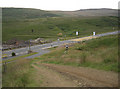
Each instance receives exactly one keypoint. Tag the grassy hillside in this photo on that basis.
(24, 13)
(29, 13)
(100, 53)
(88, 12)
(18, 23)
(18, 74)
(49, 27)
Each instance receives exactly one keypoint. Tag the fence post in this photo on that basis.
(4, 67)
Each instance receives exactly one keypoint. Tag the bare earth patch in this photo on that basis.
(65, 76)
(51, 78)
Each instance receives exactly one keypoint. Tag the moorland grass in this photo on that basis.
(100, 53)
(18, 74)
(48, 28)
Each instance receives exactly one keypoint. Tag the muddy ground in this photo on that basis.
(53, 75)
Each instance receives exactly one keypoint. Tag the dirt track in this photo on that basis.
(65, 76)
(50, 78)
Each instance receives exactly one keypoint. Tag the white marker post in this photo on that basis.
(93, 33)
(77, 33)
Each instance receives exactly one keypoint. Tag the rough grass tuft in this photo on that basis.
(17, 74)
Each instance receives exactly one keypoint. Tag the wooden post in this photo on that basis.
(4, 67)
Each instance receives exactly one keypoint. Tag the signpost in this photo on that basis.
(76, 33)
(93, 33)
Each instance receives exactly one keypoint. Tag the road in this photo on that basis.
(54, 75)
(41, 49)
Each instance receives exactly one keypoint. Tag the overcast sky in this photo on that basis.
(64, 5)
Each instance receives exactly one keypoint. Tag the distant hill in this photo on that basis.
(25, 13)
(28, 13)
(89, 12)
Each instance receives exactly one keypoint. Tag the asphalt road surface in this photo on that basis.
(41, 49)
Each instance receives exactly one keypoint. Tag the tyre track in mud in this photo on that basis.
(87, 77)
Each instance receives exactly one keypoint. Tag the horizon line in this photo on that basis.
(60, 10)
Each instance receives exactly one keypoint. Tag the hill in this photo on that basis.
(29, 13)
(24, 13)
(18, 23)
(88, 12)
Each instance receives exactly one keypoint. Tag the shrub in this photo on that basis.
(81, 47)
(110, 60)
(13, 54)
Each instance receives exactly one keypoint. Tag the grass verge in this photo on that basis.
(18, 74)
(100, 53)
(19, 57)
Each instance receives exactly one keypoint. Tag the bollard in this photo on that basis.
(66, 48)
